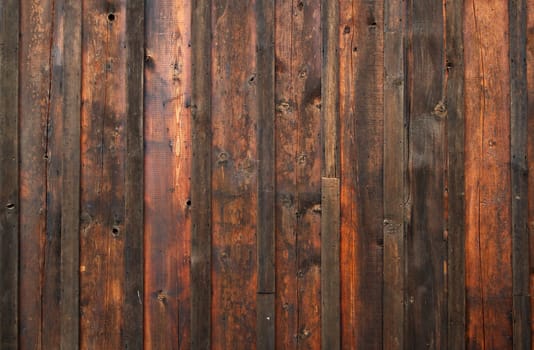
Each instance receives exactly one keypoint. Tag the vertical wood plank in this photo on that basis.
(286, 130)
(361, 155)
(519, 173)
(51, 312)
(9, 174)
(487, 169)
(395, 149)
(103, 154)
(530, 151)
(331, 336)
(35, 51)
(70, 198)
(426, 247)
(234, 174)
(201, 176)
(266, 166)
(455, 172)
(132, 336)
(167, 301)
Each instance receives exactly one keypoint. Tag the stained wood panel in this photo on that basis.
(266, 174)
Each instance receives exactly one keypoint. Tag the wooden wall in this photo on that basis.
(303, 174)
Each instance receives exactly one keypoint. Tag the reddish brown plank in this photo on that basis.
(488, 221)
(530, 149)
(167, 174)
(361, 151)
(234, 175)
(286, 187)
(35, 44)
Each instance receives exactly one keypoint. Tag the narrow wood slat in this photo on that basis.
(361, 155)
(201, 175)
(395, 149)
(133, 237)
(167, 180)
(9, 173)
(36, 23)
(286, 130)
(51, 273)
(330, 288)
(519, 173)
(234, 173)
(70, 199)
(455, 171)
(530, 151)
(266, 167)
(426, 249)
(489, 287)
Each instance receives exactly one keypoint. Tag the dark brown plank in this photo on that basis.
(9, 175)
(103, 153)
(132, 336)
(167, 116)
(54, 183)
(286, 130)
(234, 175)
(35, 44)
(201, 176)
(330, 289)
(530, 151)
(70, 198)
(519, 173)
(455, 172)
(489, 286)
(426, 247)
(361, 155)
(395, 153)
(330, 249)
(266, 167)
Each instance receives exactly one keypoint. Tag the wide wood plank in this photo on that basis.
(234, 175)
(35, 40)
(395, 154)
(70, 192)
(103, 148)
(167, 202)
(487, 175)
(201, 175)
(9, 174)
(361, 155)
(455, 173)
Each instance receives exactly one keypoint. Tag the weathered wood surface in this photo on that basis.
(266, 174)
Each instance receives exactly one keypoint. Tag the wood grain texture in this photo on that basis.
(70, 195)
(519, 173)
(395, 158)
(34, 45)
(103, 148)
(167, 130)
(132, 313)
(530, 150)
(234, 175)
(330, 289)
(9, 174)
(455, 193)
(426, 247)
(487, 174)
(361, 155)
(201, 176)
